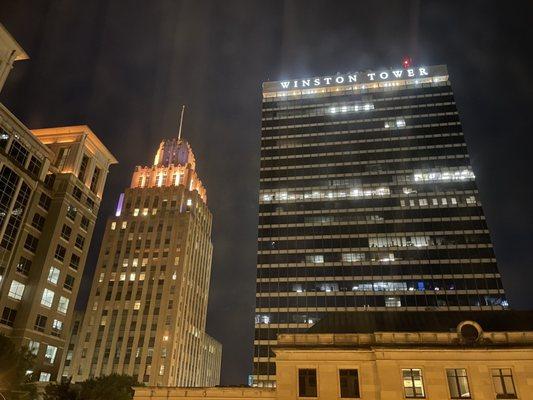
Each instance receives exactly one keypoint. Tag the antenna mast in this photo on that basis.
(181, 120)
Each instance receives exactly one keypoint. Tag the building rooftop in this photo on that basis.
(416, 321)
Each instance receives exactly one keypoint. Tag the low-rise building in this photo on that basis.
(390, 356)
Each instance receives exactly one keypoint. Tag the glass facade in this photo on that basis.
(367, 202)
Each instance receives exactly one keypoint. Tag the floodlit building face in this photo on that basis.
(368, 202)
(147, 308)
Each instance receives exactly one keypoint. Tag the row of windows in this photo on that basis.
(412, 299)
(412, 382)
(19, 153)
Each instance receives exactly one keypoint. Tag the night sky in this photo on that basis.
(125, 67)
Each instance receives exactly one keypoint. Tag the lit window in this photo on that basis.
(141, 276)
(411, 203)
(145, 212)
(50, 354)
(45, 377)
(315, 259)
(174, 276)
(95, 306)
(458, 383)
(393, 302)
(33, 347)
(132, 276)
(57, 324)
(53, 275)
(137, 305)
(135, 212)
(161, 370)
(402, 203)
(423, 202)
(16, 290)
(154, 211)
(189, 202)
(470, 200)
(48, 298)
(113, 225)
(123, 277)
(400, 123)
(62, 306)
(435, 202)
(454, 200)
(443, 201)
(412, 383)
(124, 224)
(101, 278)
(353, 257)
(502, 378)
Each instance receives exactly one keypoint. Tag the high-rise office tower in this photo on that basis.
(147, 308)
(367, 202)
(51, 185)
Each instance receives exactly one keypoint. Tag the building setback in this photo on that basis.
(367, 202)
(51, 186)
(147, 308)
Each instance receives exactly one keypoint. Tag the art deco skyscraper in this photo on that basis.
(51, 186)
(147, 308)
(367, 202)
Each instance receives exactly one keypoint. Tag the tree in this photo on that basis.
(110, 387)
(62, 391)
(14, 362)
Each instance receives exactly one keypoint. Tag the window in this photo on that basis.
(423, 202)
(35, 165)
(60, 253)
(49, 180)
(349, 382)
(137, 305)
(16, 290)
(84, 223)
(45, 377)
(18, 152)
(62, 306)
(24, 266)
(83, 168)
(71, 212)
(47, 298)
(65, 232)
(31, 243)
(307, 383)
(33, 347)
(315, 259)
(400, 122)
(62, 156)
(393, 302)
(458, 383)
(113, 225)
(412, 383)
(502, 378)
(57, 325)
(74, 261)
(38, 222)
(69, 282)
(8, 316)
(40, 323)
(80, 241)
(45, 201)
(50, 355)
(4, 138)
(77, 193)
(53, 275)
(94, 179)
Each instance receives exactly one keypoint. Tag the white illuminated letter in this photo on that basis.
(306, 82)
(339, 79)
(295, 84)
(316, 81)
(371, 76)
(397, 73)
(384, 75)
(352, 78)
(328, 81)
(422, 71)
(410, 72)
(285, 85)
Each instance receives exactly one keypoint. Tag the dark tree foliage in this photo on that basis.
(110, 387)
(62, 391)
(14, 362)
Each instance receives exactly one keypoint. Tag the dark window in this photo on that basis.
(31, 243)
(38, 221)
(80, 241)
(90, 203)
(8, 185)
(71, 212)
(49, 180)
(45, 201)
(84, 223)
(15, 219)
(349, 382)
(502, 378)
(77, 193)
(8, 316)
(307, 383)
(40, 323)
(94, 179)
(18, 152)
(65, 232)
(24, 266)
(74, 261)
(60, 253)
(83, 168)
(62, 157)
(458, 383)
(69, 282)
(35, 165)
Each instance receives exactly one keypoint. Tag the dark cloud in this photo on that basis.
(124, 67)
